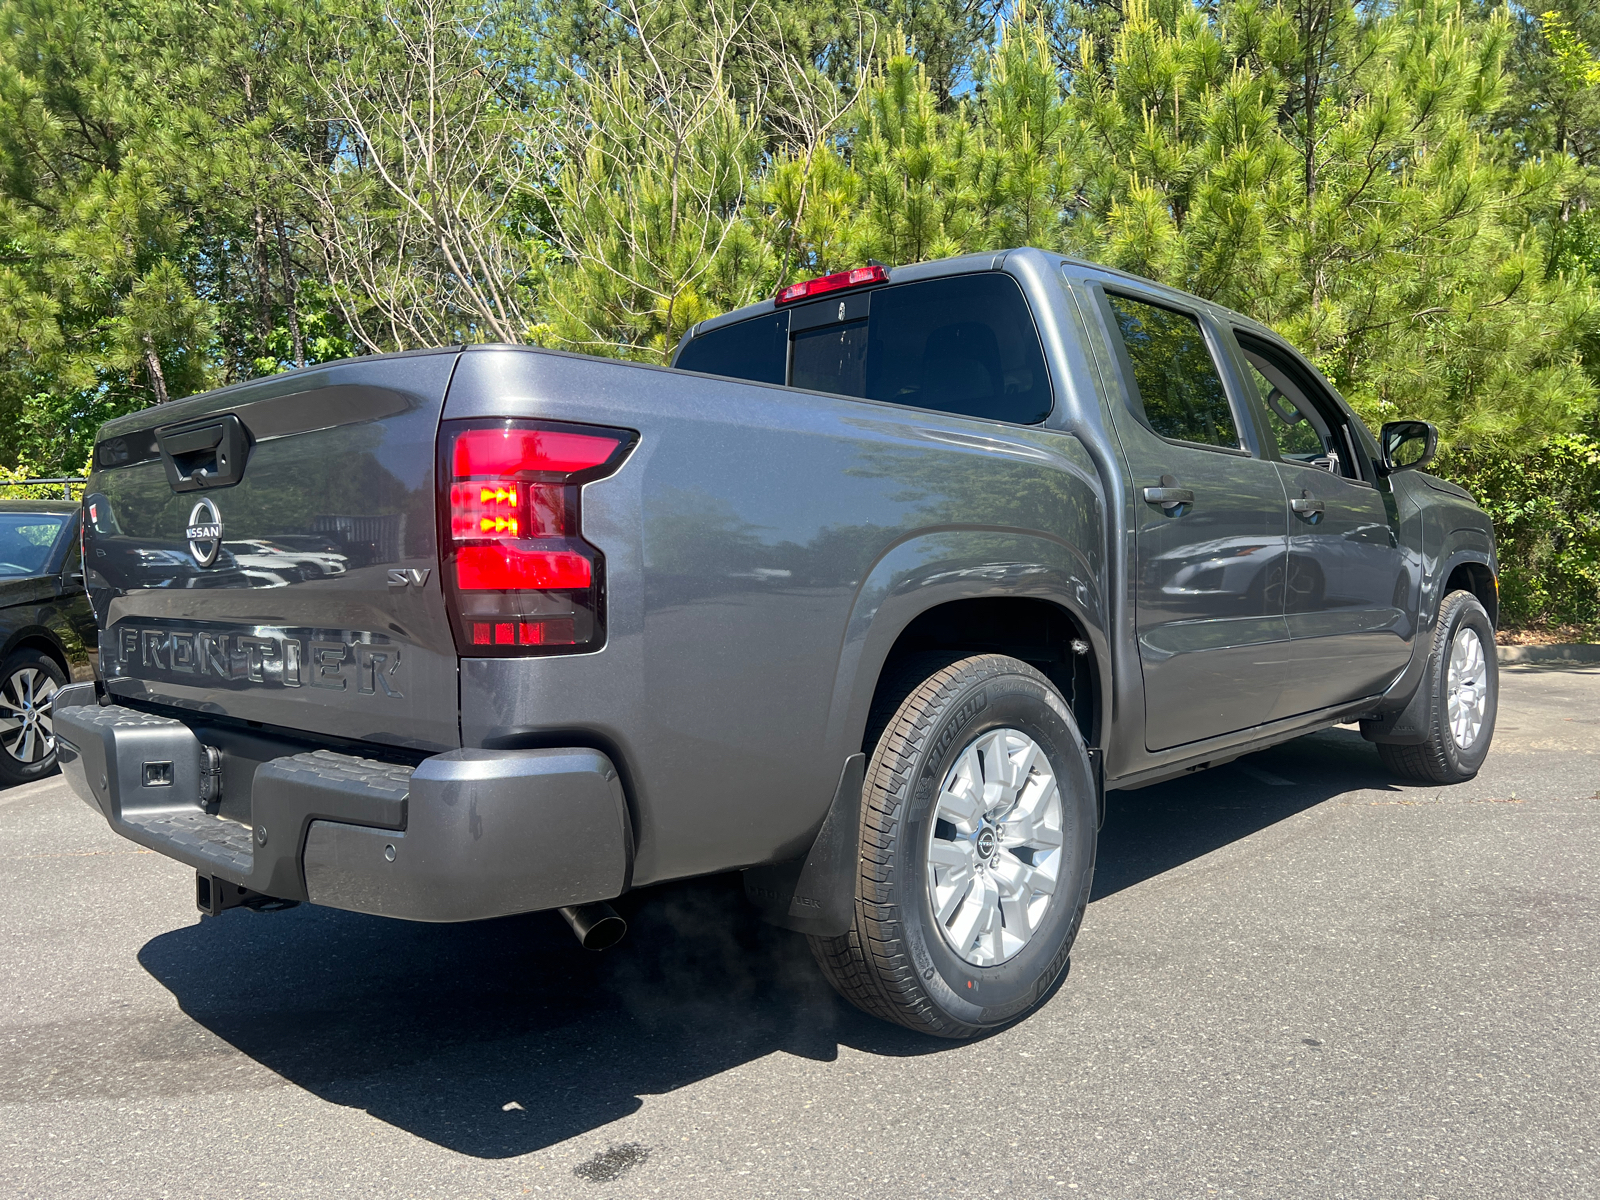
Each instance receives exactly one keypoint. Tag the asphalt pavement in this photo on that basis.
(1297, 979)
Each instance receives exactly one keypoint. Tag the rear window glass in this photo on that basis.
(1180, 394)
(962, 345)
(25, 542)
(832, 358)
(756, 350)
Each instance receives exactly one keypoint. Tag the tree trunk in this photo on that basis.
(291, 288)
(152, 368)
(263, 285)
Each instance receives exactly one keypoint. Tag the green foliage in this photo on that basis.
(1366, 213)
(192, 195)
(1546, 510)
(652, 198)
(150, 215)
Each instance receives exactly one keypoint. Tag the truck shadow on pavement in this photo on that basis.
(500, 1038)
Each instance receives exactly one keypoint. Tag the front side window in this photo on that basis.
(1307, 424)
(1179, 390)
(26, 540)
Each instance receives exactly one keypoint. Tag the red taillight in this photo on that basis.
(511, 569)
(520, 450)
(810, 288)
(520, 577)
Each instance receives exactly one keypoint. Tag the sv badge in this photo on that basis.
(409, 576)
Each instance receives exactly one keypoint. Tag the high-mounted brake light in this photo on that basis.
(811, 288)
(520, 577)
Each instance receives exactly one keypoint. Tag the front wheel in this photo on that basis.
(28, 683)
(1464, 690)
(977, 850)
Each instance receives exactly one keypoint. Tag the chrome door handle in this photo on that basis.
(1306, 507)
(1169, 498)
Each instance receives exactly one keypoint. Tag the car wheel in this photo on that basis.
(28, 682)
(977, 850)
(1463, 684)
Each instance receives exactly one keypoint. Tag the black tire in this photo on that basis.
(28, 679)
(1442, 758)
(896, 962)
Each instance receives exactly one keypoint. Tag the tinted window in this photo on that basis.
(1306, 422)
(961, 345)
(1299, 433)
(25, 542)
(831, 359)
(1180, 394)
(756, 349)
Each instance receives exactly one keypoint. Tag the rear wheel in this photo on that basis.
(28, 683)
(1464, 687)
(977, 850)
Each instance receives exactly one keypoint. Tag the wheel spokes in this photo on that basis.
(995, 849)
(1466, 687)
(974, 917)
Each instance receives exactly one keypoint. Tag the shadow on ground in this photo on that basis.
(1154, 829)
(503, 1037)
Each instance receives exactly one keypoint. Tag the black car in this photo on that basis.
(47, 631)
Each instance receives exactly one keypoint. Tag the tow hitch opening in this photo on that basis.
(213, 896)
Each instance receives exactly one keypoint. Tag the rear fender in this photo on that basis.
(936, 567)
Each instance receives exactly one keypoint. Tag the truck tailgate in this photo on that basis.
(295, 583)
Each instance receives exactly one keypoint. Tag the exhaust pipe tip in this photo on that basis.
(596, 926)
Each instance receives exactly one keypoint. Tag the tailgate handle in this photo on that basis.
(204, 454)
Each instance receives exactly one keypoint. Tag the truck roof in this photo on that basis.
(992, 260)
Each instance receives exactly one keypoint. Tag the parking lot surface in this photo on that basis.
(1297, 979)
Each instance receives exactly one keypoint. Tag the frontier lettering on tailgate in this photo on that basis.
(338, 660)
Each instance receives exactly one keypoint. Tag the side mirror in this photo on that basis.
(1407, 445)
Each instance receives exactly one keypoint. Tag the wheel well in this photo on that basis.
(46, 647)
(1475, 577)
(1044, 635)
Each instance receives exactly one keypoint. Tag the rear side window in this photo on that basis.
(1180, 394)
(963, 345)
(757, 350)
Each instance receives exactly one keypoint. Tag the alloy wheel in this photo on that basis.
(27, 732)
(1466, 687)
(995, 849)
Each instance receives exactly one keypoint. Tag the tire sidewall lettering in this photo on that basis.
(988, 996)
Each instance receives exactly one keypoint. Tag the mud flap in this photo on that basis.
(1410, 725)
(817, 894)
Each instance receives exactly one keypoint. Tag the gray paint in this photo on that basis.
(490, 834)
(278, 631)
(764, 548)
(465, 835)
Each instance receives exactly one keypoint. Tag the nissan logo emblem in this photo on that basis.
(204, 532)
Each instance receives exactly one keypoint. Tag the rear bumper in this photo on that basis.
(462, 836)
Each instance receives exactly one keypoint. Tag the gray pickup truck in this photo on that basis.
(873, 596)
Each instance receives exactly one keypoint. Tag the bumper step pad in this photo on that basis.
(224, 845)
(466, 835)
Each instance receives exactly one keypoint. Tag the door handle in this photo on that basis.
(1169, 498)
(1306, 506)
